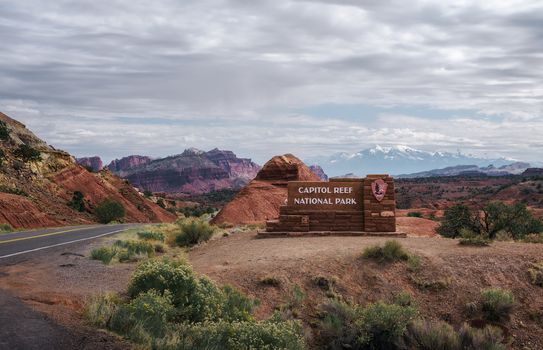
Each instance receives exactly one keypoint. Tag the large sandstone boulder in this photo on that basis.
(261, 198)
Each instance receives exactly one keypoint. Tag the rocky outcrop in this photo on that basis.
(533, 172)
(261, 198)
(192, 172)
(93, 163)
(38, 181)
(124, 165)
(317, 170)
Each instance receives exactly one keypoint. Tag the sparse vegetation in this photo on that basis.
(430, 284)
(390, 252)
(196, 211)
(472, 239)
(536, 274)
(170, 308)
(533, 238)
(77, 202)
(455, 219)
(193, 231)
(497, 303)
(108, 211)
(134, 247)
(271, 281)
(4, 228)
(12, 190)
(160, 203)
(4, 131)
(414, 214)
(151, 236)
(27, 153)
(2, 157)
(104, 254)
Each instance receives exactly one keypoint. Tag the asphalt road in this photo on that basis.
(21, 326)
(27, 242)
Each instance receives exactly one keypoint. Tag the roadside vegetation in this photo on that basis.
(495, 220)
(169, 307)
(108, 211)
(5, 228)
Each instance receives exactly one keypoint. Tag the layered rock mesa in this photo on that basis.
(37, 183)
(261, 198)
(92, 163)
(192, 172)
(317, 170)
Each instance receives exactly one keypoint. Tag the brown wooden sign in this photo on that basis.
(328, 196)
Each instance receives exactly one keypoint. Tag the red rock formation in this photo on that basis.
(261, 198)
(35, 193)
(94, 163)
(192, 172)
(317, 170)
(120, 166)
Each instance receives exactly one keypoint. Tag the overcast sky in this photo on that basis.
(260, 78)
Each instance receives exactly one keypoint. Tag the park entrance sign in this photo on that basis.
(361, 206)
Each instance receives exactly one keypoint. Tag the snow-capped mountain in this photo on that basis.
(398, 160)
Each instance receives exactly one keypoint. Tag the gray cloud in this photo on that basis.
(92, 76)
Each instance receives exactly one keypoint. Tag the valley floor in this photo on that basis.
(58, 282)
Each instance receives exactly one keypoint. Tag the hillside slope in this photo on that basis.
(38, 181)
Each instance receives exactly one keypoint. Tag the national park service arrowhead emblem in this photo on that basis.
(379, 189)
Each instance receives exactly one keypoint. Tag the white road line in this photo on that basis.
(59, 244)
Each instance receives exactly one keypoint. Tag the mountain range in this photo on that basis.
(400, 159)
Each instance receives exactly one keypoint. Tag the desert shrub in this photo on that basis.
(108, 211)
(104, 254)
(4, 131)
(414, 263)
(77, 202)
(124, 255)
(456, 218)
(536, 274)
(234, 336)
(100, 308)
(2, 157)
(151, 236)
(160, 203)
(414, 214)
(514, 219)
(149, 312)
(430, 284)
(533, 238)
(237, 306)
(487, 338)
(13, 190)
(5, 228)
(470, 238)
(159, 248)
(325, 283)
(391, 251)
(197, 211)
(497, 303)
(376, 326)
(271, 281)
(426, 335)
(193, 232)
(403, 299)
(136, 247)
(27, 153)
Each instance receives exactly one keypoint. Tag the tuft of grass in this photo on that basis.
(414, 263)
(390, 252)
(497, 303)
(104, 254)
(270, 281)
(5, 228)
(325, 283)
(151, 236)
(100, 308)
(193, 231)
(470, 238)
(430, 284)
(403, 299)
(134, 247)
(536, 274)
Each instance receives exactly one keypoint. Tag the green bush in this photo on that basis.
(100, 309)
(536, 274)
(456, 218)
(108, 211)
(197, 211)
(233, 336)
(490, 338)
(77, 202)
(271, 281)
(4, 228)
(391, 251)
(533, 238)
(151, 236)
(426, 335)
(136, 247)
(514, 219)
(27, 153)
(160, 203)
(104, 254)
(4, 131)
(403, 299)
(414, 214)
(497, 303)
(193, 232)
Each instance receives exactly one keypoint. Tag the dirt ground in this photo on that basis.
(58, 282)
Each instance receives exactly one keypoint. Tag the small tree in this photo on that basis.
(77, 202)
(27, 153)
(514, 219)
(4, 131)
(456, 218)
(109, 210)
